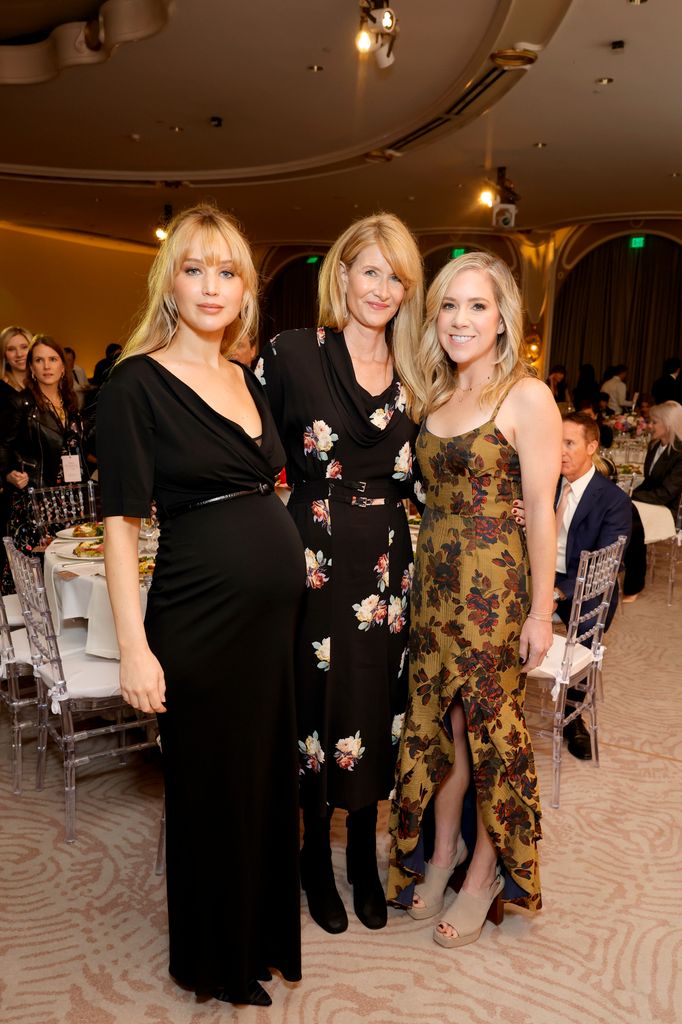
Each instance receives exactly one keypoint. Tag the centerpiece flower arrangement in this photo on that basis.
(630, 425)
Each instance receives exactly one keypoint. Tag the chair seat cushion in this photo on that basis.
(582, 658)
(13, 611)
(87, 676)
(72, 641)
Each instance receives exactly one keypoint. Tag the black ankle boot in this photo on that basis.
(317, 875)
(369, 900)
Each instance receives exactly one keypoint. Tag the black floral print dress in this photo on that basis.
(350, 461)
(469, 601)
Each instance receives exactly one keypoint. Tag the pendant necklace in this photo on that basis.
(474, 387)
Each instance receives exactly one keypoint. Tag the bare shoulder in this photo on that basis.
(530, 395)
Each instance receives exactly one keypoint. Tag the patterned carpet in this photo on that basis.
(82, 935)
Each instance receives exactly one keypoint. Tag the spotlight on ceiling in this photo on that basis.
(487, 198)
(161, 230)
(378, 31)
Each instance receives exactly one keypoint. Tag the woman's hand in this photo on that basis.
(536, 640)
(18, 479)
(142, 682)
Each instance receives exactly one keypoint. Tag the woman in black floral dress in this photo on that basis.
(350, 457)
(489, 430)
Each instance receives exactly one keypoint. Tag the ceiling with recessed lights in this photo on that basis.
(268, 109)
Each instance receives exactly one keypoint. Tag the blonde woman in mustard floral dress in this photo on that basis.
(490, 433)
(340, 410)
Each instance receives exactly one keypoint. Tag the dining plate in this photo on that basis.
(83, 551)
(68, 533)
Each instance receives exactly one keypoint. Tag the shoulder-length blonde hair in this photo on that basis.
(207, 226)
(400, 250)
(6, 336)
(428, 375)
(670, 415)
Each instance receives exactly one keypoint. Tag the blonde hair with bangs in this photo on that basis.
(428, 375)
(399, 249)
(158, 322)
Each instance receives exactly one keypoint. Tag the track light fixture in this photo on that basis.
(378, 31)
(501, 198)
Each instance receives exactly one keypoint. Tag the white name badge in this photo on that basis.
(71, 468)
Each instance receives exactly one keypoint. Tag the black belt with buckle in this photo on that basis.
(190, 506)
(359, 493)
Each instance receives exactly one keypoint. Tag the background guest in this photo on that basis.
(586, 388)
(38, 426)
(78, 377)
(556, 382)
(668, 387)
(662, 485)
(594, 513)
(14, 345)
(104, 366)
(615, 388)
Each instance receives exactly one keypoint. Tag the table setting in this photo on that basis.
(75, 582)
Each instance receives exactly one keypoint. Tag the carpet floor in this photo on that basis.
(83, 927)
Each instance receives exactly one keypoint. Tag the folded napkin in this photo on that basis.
(73, 569)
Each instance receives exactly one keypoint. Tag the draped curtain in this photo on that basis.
(621, 305)
(290, 299)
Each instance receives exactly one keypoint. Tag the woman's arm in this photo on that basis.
(11, 423)
(142, 681)
(537, 437)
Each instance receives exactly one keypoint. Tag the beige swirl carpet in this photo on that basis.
(82, 928)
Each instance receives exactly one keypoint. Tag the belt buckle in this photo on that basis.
(362, 502)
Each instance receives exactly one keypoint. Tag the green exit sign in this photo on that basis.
(457, 252)
(313, 259)
(637, 241)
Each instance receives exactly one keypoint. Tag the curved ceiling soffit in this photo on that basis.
(585, 238)
(479, 86)
(83, 42)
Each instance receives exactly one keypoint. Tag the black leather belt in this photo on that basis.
(360, 493)
(190, 506)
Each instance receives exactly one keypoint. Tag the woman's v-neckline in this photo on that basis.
(234, 423)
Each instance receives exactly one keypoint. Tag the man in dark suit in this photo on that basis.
(592, 512)
(668, 387)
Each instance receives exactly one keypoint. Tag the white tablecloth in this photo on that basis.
(84, 597)
(657, 521)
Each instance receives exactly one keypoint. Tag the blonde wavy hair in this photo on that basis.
(399, 249)
(6, 336)
(428, 375)
(158, 321)
(670, 415)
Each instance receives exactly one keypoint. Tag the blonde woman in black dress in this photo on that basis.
(180, 425)
(340, 409)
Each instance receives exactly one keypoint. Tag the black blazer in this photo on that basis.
(604, 513)
(36, 437)
(662, 484)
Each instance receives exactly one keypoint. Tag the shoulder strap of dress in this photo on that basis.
(503, 397)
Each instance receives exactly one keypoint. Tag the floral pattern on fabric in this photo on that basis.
(312, 754)
(381, 571)
(318, 440)
(469, 600)
(402, 467)
(349, 752)
(370, 612)
(315, 565)
(322, 650)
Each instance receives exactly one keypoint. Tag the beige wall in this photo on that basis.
(85, 292)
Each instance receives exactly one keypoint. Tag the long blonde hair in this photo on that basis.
(6, 336)
(428, 376)
(158, 322)
(670, 415)
(399, 249)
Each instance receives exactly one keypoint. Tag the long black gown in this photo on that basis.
(350, 459)
(221, 620)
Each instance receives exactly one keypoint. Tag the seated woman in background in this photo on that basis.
(556, 382)
(662, 485)
(14, 345)
(38, 426)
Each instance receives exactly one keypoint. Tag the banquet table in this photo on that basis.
(78, 590)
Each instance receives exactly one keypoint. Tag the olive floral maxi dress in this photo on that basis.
(469, 601)
(221, 620)
(350, 460)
